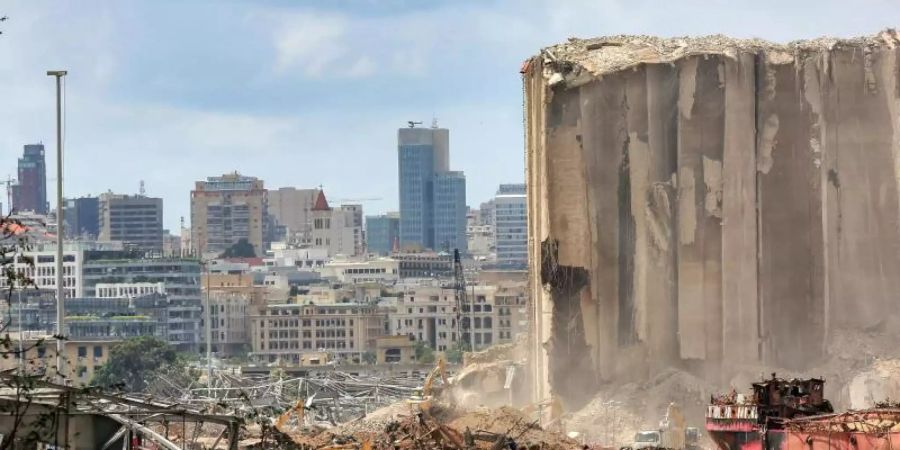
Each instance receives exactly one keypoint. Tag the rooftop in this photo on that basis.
(609, 54)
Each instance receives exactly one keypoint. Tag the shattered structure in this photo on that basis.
(707, 203)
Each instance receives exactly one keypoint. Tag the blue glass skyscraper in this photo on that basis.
(426, 215)
(381, 232)
(450, 211)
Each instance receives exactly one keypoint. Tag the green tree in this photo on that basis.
(240, 249)
(369, 357)
(135, 362)
(424, 353)
(455, 354)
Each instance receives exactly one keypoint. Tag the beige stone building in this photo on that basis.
(383, 270)
(284, 332)
(82, 357)
(340, 230)
(395, 350)
(226, 209)
(291, 208)
(493, 314)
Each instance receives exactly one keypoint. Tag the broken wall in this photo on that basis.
(707, 203)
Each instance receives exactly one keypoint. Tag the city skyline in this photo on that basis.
(199, 91)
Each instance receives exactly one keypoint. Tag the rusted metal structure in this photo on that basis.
(794, 415)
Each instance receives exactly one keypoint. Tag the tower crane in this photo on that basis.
(459, 286)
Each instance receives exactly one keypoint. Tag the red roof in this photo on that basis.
(321, 202)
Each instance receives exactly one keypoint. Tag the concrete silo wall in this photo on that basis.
(707, 203)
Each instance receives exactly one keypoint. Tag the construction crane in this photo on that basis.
(412, 124)
(459, 286)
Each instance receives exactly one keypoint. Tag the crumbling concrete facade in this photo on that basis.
(707, 203)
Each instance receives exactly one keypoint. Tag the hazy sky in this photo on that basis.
(308, 93)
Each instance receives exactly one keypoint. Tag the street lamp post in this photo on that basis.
(60, 292)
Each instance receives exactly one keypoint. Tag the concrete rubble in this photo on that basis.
(716, 205)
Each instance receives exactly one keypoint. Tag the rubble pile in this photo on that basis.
(404, 426)
(617, 412)
(510, 423)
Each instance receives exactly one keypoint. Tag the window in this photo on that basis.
(98, 351)
(82, 352)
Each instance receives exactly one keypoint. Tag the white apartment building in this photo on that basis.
(128, 290)
(383, 270)
(510, 225)
(428, 314)
(43, 271)
(301, 258)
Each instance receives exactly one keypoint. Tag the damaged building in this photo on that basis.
(710, 204)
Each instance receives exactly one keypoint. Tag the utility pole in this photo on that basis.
(208, 320)
(60, 292)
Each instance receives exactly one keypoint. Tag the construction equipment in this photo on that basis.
(423, 397)
(439, 369)
(459, 286)
(297, 409)
(671, 434)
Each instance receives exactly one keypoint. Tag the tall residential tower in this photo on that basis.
(225, 210)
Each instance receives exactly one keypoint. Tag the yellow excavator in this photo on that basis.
(299, 409)
(424, 396)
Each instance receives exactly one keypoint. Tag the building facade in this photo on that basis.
(382, 270)
(40, 267)
(83, 356)
(382, 233)
(450, 212)
(291, 209)
(146, 315)
(181, 278)
(424, 265)
(134, 220)
(225, 210)
(286, 331)
(339, 230)
(82, 218)
(492, 314)
(426, 314)
(128, 290)
(30, 191)
(301, 258)
(511, 225)
(422, 152)
(228, 322)
(432, 198)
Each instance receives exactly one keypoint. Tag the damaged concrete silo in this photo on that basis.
(707, 203)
